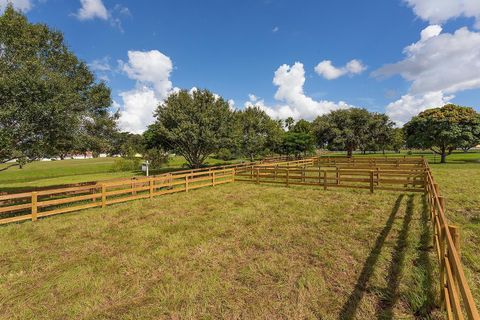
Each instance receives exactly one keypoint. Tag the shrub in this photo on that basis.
(156, 158)
(224, 154)
(122, 164)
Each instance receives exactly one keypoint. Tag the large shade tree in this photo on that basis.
(345, 129)
(258, 132)
(48, 97)
(192, 124)
(443, 129)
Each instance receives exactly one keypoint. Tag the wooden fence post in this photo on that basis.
(258, 175)
(186, 183)
(288, 175)
(371, 181)
(455, 232)
(324, 179)
(104, 196)
(442, 243)
(338, 176)
(34, 205)
(151, 183)
(213, 178)
(378, 176)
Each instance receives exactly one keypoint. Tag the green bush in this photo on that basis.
(224, 154)
(156, 157)
(122, 164)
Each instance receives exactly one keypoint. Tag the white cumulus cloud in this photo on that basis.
(22, 5)
(293, 102)
(327, 70)
(439, 11)
(402, 110)
(151, 71)
(437, 66)
(92, 9)
(150, 67)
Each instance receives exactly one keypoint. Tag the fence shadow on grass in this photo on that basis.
(350, 307)
(397, 265)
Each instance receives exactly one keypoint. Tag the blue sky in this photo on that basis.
(291, 58)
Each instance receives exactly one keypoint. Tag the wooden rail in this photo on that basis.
(37, 204)
(393, 174)
(455, 293)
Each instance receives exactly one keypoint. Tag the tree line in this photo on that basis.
(51, 105)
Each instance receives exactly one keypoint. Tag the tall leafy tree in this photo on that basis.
(193, 125)
(302, 126)
(380, 133)
(397, 141)
(47, 95)
(346, 129)
(297, 143)
(443, 129)
(289, 122)
(259, 133)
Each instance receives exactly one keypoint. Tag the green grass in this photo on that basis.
(234, 251)
(55, 173)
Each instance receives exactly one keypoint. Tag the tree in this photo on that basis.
(297, 143)
(397, 141)
(47, 95)
(302, 126)
(380, 133)
(259, 133)
(193, 125)
(345, 129)
(443, 129)
(289, 123)
(128, 144)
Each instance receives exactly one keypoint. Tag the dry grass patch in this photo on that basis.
(233, 251)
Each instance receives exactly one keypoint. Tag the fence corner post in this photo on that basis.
(34, 205)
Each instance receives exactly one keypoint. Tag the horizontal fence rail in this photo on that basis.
(403, 174)
(36, 204)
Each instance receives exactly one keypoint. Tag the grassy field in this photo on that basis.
(233, 251)
(236, 251)
(54, 173)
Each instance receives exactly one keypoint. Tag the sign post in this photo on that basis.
(145, 167)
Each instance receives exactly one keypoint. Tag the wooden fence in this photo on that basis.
(395, 174)
(42, 203)
(33, 205)
(456, 295)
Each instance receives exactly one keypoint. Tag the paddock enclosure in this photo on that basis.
(406, 177)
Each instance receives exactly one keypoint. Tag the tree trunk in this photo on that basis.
(443, 158)
(349, 152)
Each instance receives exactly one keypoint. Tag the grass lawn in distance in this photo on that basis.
(233, 251)
(69, 171)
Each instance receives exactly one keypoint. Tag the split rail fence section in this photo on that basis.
(399, 174)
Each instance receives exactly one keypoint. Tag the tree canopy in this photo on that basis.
(259, 133)
(443, 129)
(49, 100)
(192, 124)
